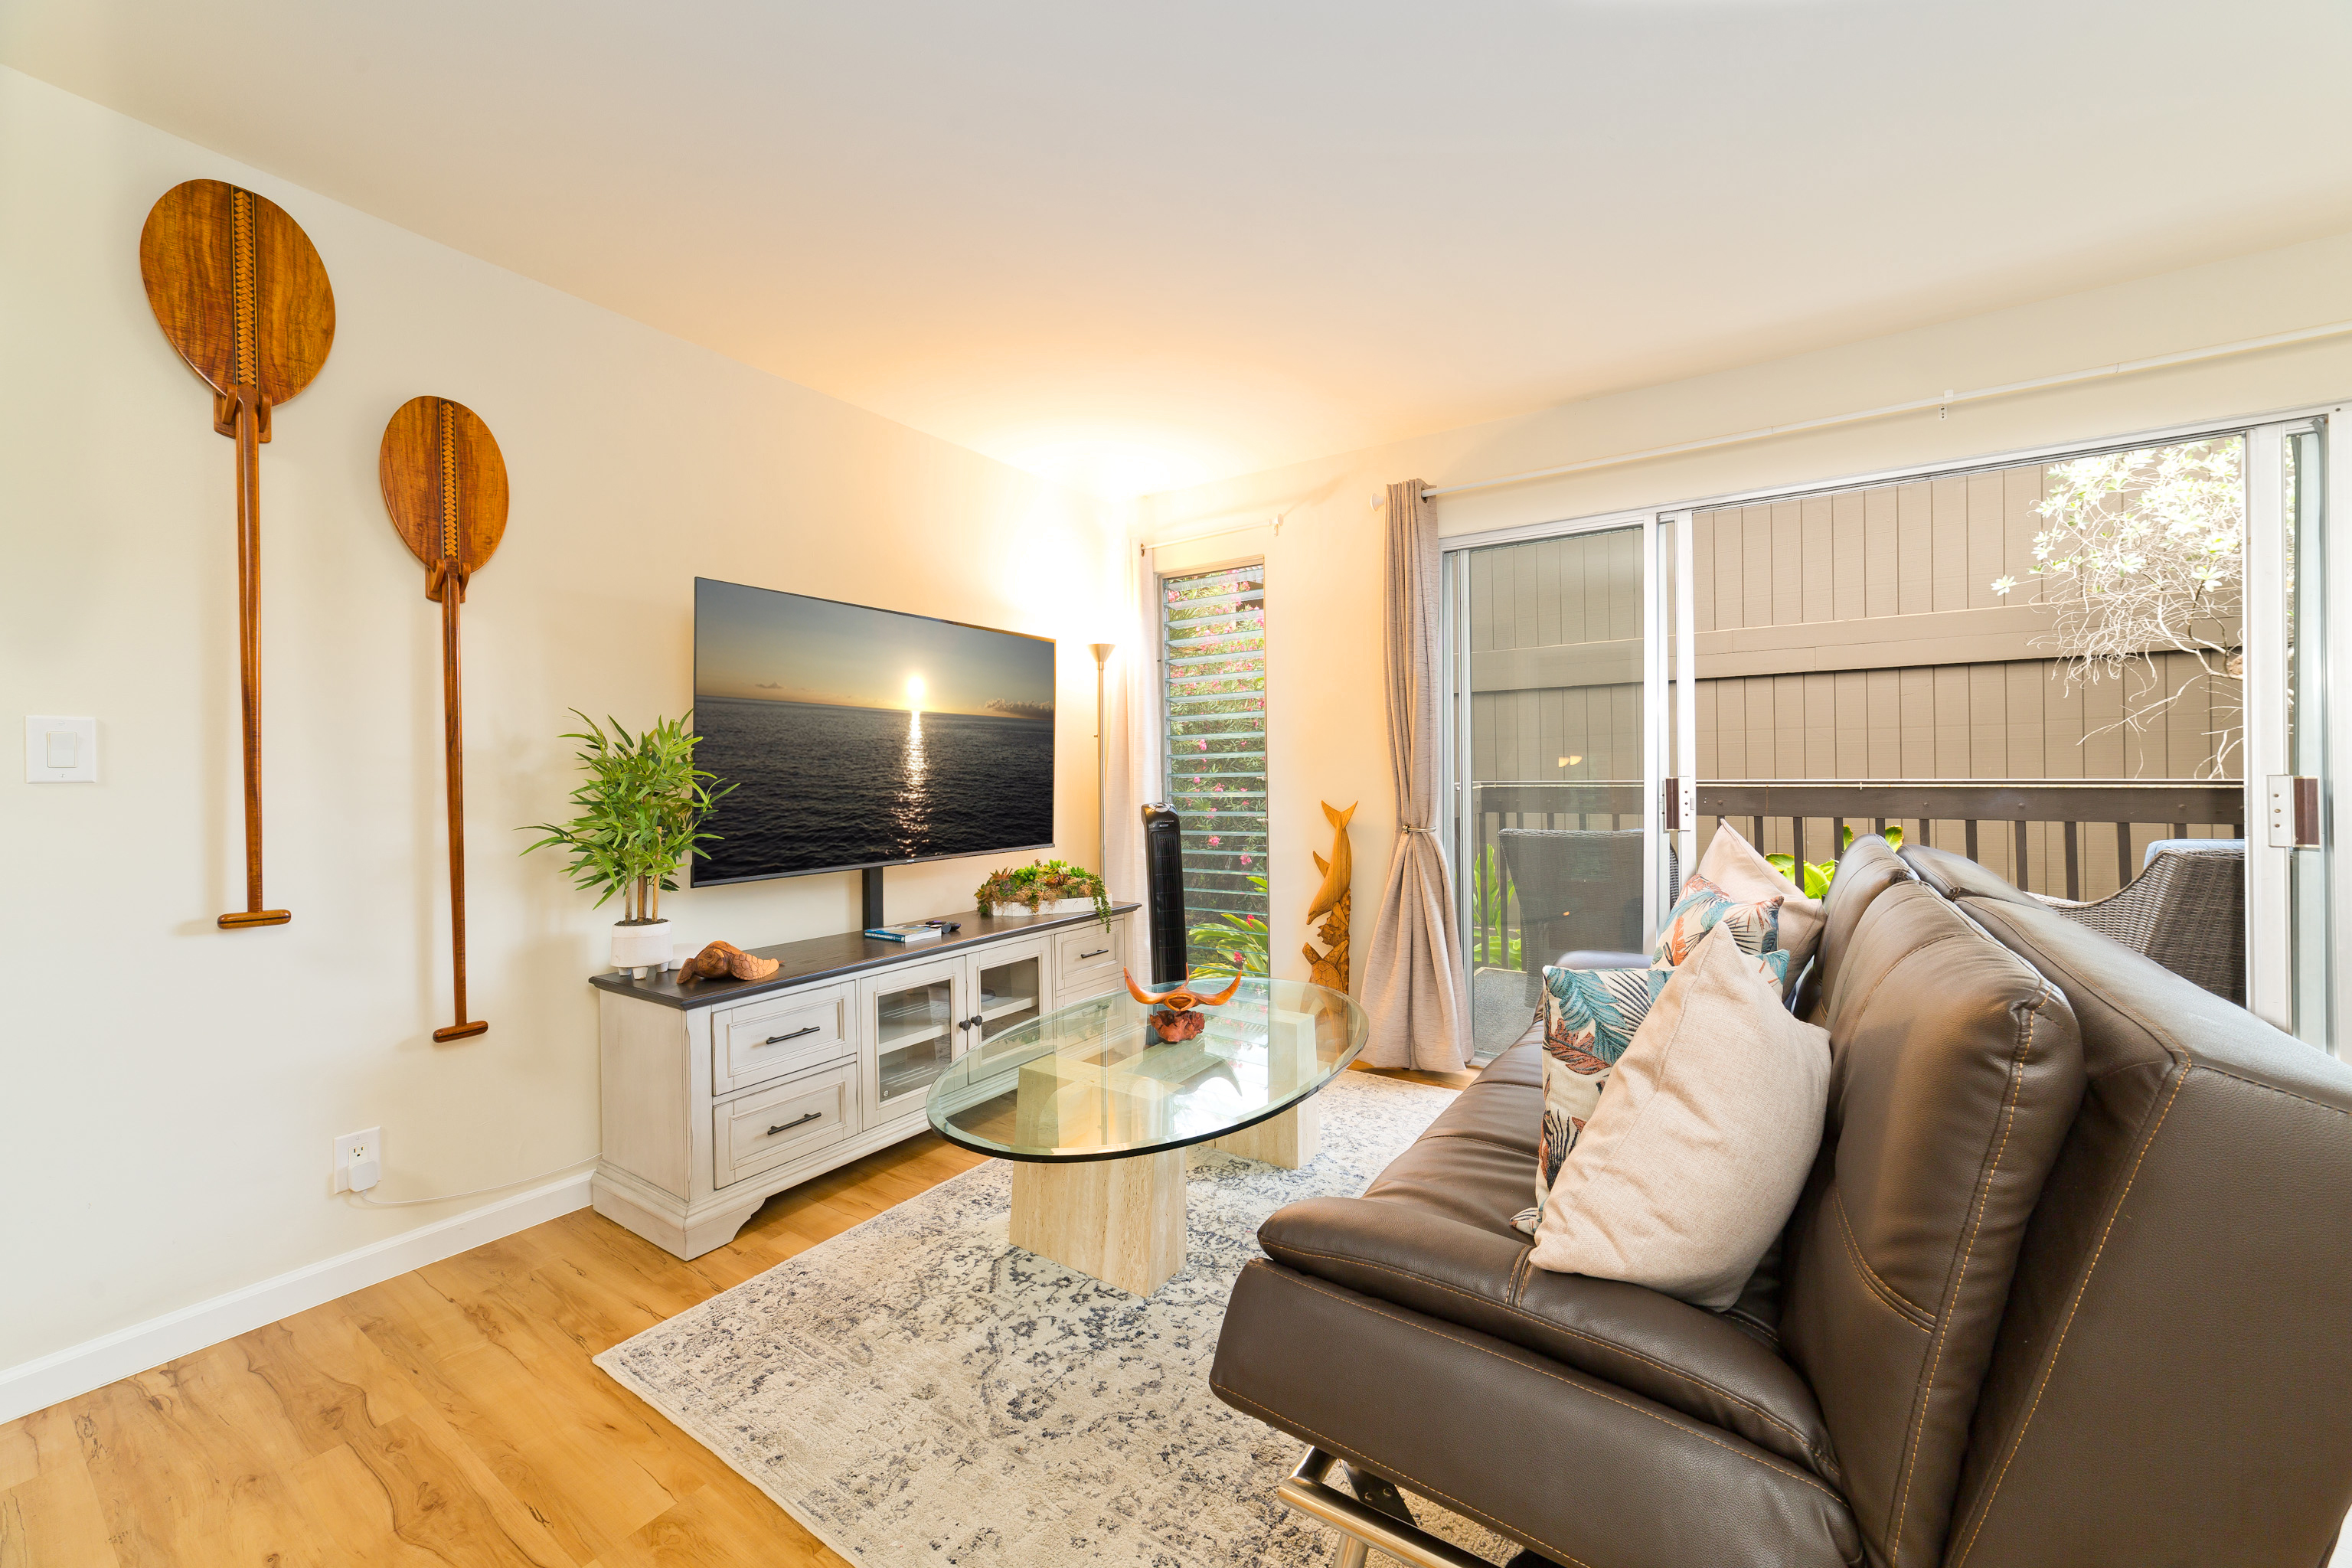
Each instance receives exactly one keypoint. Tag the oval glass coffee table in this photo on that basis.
(1097, 1111)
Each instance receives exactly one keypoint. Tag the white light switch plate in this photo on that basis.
(59, 749)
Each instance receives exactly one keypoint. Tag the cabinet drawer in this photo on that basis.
(751, 1134)
(1088, 960)
(780, 1035)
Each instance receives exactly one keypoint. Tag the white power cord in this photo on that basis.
(478, 1192)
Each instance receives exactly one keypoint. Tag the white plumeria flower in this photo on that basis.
(2003, 585)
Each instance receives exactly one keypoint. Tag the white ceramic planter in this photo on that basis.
(1062, 907)
(641, 944)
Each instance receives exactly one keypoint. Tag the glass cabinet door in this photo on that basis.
(914, 1035)
(1011, 991)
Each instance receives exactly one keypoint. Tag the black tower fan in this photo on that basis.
(1163, 881)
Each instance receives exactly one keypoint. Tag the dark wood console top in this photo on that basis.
(829, 957)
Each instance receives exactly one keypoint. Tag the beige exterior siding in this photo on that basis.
(1795, 683)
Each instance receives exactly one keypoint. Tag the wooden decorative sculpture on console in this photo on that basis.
(445, 484)
(240, 291)
(1332, 901)
(721, 959)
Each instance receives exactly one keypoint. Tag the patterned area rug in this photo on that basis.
(918, 1390)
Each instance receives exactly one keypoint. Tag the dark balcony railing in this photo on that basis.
(1804, 817)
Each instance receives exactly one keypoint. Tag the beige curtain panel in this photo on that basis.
(1413, 991)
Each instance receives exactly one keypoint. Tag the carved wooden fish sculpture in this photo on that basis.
(1339, 871)
(1179, 998)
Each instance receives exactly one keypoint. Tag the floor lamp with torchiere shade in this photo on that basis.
(1102, 652)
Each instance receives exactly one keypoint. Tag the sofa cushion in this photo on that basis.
(1588, 1018)
(1958, 877)
(1703, 906)
(1741, 869)
(1956, 1072)
(1695, 1156)
(1668, 1350)
(1867, 869)
(1471, 1164)
(1581, 1468)
(2183, 1290)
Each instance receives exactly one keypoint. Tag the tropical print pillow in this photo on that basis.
(1737, 869)
(1755, 926)
(1589, 1018)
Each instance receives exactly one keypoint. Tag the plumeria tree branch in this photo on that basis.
(2142, 554)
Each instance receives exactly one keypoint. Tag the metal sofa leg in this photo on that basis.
(1363, 1527)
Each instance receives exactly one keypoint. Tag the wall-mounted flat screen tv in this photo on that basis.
(859, 737)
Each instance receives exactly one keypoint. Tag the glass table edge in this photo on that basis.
(1132, 1151)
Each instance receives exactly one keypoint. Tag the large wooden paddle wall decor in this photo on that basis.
(240, 291)
(445, 484)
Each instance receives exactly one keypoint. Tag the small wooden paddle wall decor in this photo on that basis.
(240, 291)
(445, 484)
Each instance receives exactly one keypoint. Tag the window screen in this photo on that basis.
(1213, 643)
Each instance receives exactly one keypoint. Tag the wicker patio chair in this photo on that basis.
(1580, 889)
(2186, 909)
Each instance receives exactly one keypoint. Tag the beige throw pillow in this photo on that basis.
(1694, 1157)
(1737, 866)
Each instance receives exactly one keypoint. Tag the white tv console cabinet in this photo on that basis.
(719, 1095)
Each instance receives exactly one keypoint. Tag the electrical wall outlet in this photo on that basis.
(358, 1160)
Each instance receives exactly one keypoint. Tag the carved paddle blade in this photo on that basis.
(238, 287)
(444, 484)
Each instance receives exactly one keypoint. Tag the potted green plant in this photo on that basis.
(1817, 875)
(1045, 888)
(642, 807)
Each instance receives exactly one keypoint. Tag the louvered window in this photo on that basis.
(1213, 654)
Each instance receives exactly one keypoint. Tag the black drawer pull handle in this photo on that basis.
(796, 1034)
(1096, 954)
(787, 1127)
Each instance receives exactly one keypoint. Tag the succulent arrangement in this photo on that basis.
(1042, 882)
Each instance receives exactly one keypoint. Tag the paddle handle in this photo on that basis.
(249, 416)
(453, 729)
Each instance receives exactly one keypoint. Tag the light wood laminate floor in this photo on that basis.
(451, 1416)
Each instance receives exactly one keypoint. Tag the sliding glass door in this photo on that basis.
(2058, 664)
(1559, 724)
(2288, 918)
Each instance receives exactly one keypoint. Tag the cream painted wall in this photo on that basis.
(168, 1091)
(1324, 562)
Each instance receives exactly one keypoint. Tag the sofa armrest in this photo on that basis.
(1682, 1356)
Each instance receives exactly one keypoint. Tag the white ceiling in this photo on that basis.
(1144, 244)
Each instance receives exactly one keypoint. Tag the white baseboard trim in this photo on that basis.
(38, 1384)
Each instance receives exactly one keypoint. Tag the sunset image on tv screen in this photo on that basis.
(861, 737)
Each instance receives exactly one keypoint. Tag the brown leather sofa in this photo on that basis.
(2070, 1284)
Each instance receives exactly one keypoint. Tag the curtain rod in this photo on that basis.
(2007, 389)
(1274, 522)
